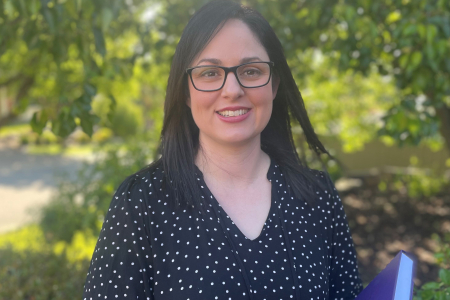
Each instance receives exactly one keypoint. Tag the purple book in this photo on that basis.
(395, 282)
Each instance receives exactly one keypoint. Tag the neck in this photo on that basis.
(242, 163)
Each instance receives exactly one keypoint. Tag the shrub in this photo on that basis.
(41, 275)
(125, 120)
(102, 135)
(31, 269)
(80, 205)
(440, 289)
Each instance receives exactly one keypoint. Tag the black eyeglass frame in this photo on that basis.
(234, 70)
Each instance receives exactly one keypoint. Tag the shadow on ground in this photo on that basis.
(384, 223)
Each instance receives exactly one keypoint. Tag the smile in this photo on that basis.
(233, 113)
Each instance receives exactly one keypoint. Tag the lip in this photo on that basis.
(234, 119)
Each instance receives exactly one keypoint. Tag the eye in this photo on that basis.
(209, 73)
(251, 72)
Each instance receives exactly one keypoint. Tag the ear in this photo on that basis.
(275, 85)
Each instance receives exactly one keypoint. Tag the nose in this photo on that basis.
(232, 88)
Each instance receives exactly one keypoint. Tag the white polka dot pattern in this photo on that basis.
(146, 250)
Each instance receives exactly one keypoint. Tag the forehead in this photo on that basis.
(234, 41)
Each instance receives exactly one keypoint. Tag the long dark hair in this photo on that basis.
(180, 134)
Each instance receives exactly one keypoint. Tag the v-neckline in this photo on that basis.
(231, 225)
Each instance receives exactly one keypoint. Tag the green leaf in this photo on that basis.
(34, 6)
(64, 124)
(431, 33)
(440, 295)
(81, 106)
(416, 59)
(421, 29)
(87, 123)
(107, 17)
(444, 275)
(427, 294)
(409, 29)
(90, 89)
(79, 4)
(413, 63)
(393, 17)
(430, 52)
(446, 27)
(38, 121)
(112, 108)
(403, 61)
(417, 297)
(23, 8)
(431, 286)
(99, 41)
(48, 16)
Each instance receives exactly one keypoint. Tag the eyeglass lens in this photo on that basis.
(209, 78)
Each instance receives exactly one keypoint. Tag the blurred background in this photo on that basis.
(82, 87)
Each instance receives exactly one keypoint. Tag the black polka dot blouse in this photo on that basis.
(146, 250)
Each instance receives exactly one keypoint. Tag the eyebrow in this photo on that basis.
(216, 61)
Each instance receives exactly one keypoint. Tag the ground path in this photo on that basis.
(27, 182)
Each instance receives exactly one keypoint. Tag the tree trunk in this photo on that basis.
(443, 114)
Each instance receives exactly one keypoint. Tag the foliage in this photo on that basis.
(29, 238)
(407, 40)
(40, 276)
(417, 183)
(125, 121)
(438, 290)
(30, 268)
(343, 104)
(59, 54)
(80, 205)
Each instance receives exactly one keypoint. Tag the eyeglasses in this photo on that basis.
(249, 75)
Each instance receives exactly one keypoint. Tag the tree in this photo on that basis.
(407, 40)
(54, 53)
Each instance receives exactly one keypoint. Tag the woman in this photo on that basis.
(229, 211)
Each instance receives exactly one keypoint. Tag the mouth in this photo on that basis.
(233, 113)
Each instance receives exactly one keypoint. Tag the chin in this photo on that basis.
(238, 139)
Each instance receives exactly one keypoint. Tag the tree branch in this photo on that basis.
(12, 80)
(24, 88)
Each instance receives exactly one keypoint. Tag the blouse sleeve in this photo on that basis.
(345, 283)
(121, 266)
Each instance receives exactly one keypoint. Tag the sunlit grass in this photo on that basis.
(31, 238)
(78, 150)
(57, 149)
(51, 149)
(17, 129)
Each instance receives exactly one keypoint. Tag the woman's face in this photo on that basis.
(233, 115)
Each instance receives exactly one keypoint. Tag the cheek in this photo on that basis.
(264, 100)
(201, 105)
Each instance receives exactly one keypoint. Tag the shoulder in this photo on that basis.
(324, 190)
(310, 179)
(146, 182)
(323, 181)
(323, 184)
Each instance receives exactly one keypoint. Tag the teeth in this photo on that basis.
(231, 113)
